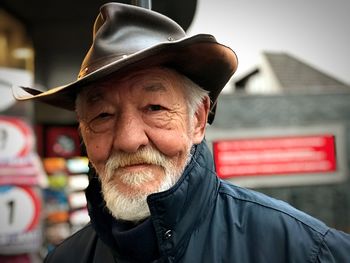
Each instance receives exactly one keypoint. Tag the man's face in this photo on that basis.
(138, 136)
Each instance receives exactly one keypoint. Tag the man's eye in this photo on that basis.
(155, 108)
(103, 115)
(102, 122)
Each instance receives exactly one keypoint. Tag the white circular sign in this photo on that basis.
(20, 209)
(16, 138)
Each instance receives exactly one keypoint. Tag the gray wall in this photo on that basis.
(330, 203)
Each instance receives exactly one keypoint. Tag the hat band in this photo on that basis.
(99, 64)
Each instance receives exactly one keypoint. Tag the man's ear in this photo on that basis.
(200, 121)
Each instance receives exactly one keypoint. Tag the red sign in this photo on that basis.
(18, 163)
(16, 138)
(20, 208)
(20, 170)
(62, 142)
(271, 156)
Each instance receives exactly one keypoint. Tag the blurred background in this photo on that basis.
(282, 125)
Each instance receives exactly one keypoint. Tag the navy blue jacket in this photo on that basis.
(203, 219)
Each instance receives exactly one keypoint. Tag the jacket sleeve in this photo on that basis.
(335, 247)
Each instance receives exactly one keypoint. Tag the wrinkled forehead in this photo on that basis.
(158, 79)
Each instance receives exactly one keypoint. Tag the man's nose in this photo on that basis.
(129, 133)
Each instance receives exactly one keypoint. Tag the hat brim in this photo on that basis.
(201, 58)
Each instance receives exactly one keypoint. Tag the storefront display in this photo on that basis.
(64, 198)
(20, 191)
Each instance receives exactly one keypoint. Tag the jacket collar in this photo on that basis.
(175, 213)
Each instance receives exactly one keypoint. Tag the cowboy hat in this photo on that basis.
(127, 37)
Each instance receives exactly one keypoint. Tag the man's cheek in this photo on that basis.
(98, 151)
(171, 144)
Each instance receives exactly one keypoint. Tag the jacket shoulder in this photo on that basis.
(260, 203)
(283, 225)
(269, 223)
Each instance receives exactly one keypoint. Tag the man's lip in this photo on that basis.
(136, 166)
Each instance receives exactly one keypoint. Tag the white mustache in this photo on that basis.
(143, 156)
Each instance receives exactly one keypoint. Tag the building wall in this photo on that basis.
(331, 202)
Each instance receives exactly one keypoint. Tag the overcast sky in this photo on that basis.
(315, 31)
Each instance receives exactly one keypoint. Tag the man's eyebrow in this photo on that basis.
(154, 87)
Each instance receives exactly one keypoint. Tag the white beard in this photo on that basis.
(133, 206)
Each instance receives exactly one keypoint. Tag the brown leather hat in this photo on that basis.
(127, 37)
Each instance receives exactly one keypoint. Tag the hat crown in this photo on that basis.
(126, 38)
(122, 30)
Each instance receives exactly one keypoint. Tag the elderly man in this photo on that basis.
(143, 98)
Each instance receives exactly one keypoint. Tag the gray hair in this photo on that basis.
(194, 94)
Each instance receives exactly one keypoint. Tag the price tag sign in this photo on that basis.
(19, 219)
(20, 209)
(16, 138)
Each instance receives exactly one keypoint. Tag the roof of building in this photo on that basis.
(293, 75)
